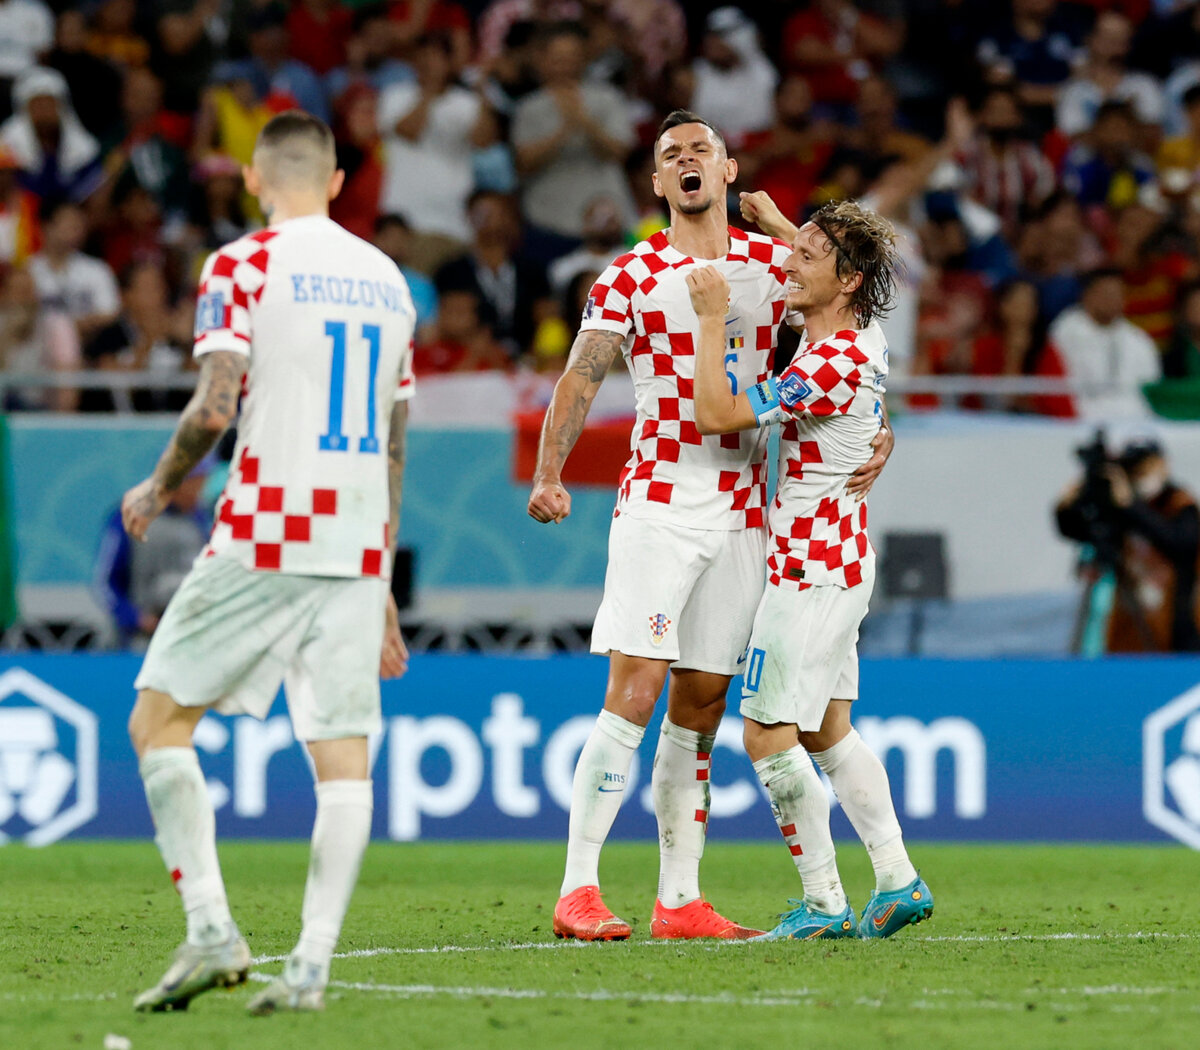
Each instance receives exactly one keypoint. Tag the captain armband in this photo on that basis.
(764, 399)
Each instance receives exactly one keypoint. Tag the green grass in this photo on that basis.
(1031, 946)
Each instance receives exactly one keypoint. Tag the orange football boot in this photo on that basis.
(697, 918)
(582, 914)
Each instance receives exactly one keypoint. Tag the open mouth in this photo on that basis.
(690, 181)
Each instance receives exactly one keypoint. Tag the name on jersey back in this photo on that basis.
(347, 291)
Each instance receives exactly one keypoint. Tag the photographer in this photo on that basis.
(1144, 534)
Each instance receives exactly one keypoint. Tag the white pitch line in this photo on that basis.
(1016, 938)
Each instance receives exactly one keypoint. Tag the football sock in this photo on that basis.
(186, 836)
(596, 794)
(339, 838)
(861, 784)
(801, 809)
(681, 793)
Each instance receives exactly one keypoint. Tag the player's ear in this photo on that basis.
(731, 171)
(658, 190)
(336, 180)
(252, 180)
(851, 284)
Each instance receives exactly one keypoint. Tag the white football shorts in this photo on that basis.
(682, 595)
(230, 636)
(804, 652)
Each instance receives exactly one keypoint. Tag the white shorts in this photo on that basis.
(682, 595)
(804, 652)
(230, 636)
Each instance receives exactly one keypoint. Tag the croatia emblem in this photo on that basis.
(659, 625)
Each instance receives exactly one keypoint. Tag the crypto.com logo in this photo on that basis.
(1171, 768)
(48, 759)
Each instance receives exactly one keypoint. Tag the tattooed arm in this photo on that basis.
(393, 660)
(204, 420)
(591, 357)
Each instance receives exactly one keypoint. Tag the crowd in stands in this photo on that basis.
(1041, 159)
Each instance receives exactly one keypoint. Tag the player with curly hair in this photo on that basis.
(802, 670)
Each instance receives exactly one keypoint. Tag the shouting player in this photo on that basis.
(802, 670)
(293, 585)
(687, 540)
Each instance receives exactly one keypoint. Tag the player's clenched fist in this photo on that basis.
(549, 501)
(709, 291)
(758, 208)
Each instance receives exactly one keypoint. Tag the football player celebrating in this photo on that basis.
(802, 669)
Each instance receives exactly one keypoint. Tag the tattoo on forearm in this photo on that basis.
(397, 444)
(591, 358)
(212, 406)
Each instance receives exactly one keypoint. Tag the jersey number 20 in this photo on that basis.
(333, 440)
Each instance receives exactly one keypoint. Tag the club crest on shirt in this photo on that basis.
(659, 625)
(210, 312)
(792, 390)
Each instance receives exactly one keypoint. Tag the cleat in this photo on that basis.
(886, 913)
(803, 923)
(581, 914)
(196, 969)
(300, 988)
(695, 919)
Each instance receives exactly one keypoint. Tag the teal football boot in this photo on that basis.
(804, 924)
(886, 913)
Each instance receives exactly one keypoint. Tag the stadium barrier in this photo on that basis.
(484, 748)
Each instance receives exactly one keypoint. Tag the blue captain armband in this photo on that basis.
(764, 399)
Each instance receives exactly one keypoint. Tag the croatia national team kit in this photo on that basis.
(293, 582)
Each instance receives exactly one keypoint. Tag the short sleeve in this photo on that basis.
(609, 304)
(231, 281)
(823, 380)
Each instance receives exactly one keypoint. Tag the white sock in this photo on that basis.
(596, 794)
(801, 810)
(186, 834)
(339, 838)
(681, 793)
(861, 784)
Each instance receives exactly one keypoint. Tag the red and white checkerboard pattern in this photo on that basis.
(675, 473)
(239, 273)
(818, 532)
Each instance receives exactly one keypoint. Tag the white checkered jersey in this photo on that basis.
(830, 395)
(326, 321)
(674, 473)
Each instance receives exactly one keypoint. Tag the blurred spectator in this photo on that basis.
(81, 286)
(1033, 49)
(33, 339)
(1056, 247)
(216, 215)
(1182, 152)
(20, 226)
(413, 19)
(393, 237)
(511, 292)
(570, 139)
(877, 132)
(94, 85)
(191, 35)
(369, 55)
(113, 36)
(1108, 169)
(656, 30)
(1108, 356)
(1103, 76)
(318, 31)
(649, 208)
(462, 341)
(360, 156)
(734, 79)
(1182, 359)
(1004, 171)
(1151, 269)
(133, 233)
(429, 129)
(603, 238)
(231, 116)
(500, 16)
(147, 336)
(26, 34)
(835, 44)
(58, 156)
(135, 581)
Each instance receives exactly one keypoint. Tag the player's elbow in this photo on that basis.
(709, 421)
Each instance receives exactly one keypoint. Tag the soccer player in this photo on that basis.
(802, 669)
(315, 326)
(687, 541)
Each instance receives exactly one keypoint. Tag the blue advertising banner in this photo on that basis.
(484, 747)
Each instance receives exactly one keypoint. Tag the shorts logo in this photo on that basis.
(792, 390)
(659, 625)
(210, 312)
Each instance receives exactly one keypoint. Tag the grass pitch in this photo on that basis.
(450, 946)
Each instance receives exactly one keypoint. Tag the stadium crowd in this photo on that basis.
(1042, 159)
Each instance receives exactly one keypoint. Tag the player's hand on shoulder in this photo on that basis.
(709, 291)
(140, 506)
(862, 479)
(393, 659)
(549, 501)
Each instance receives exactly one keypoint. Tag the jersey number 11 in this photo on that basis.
(333, 440)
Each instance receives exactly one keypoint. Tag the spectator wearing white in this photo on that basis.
(570, 139)
(59, 157)
(1108, 357)
(734, 80)
(26, 33)
(430, 128)
(1104, 77)
(603, 238)
(35, 340)
(67, 279)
